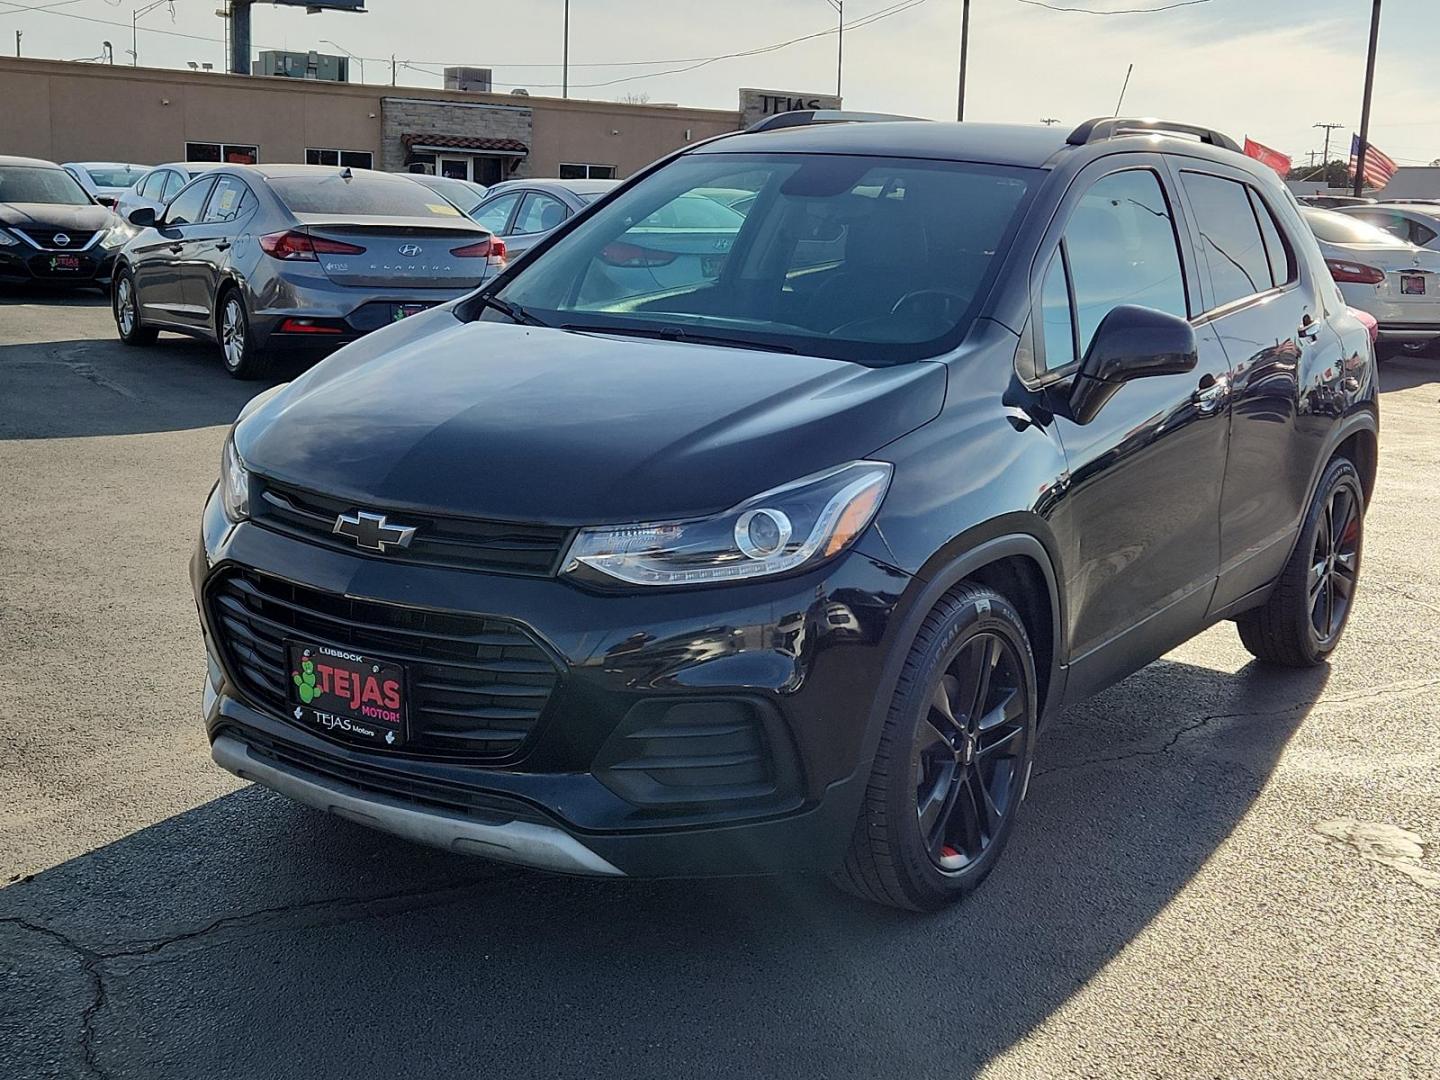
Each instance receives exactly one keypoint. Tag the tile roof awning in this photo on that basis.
(467, 144)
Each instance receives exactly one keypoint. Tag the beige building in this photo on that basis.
(64, 111)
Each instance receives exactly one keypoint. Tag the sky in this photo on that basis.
(1269, 69)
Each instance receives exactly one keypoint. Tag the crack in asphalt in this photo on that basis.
(1203, 721)
(348, 908)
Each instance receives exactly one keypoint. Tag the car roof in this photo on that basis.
(1425, 210)
(548, 183)
(36, 163)
(106, 165)
(275, 172)
(190, 166)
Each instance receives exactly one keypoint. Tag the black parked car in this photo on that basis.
(786, 568)
(51, 230)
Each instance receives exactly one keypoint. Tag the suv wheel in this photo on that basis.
(1301, 623)
(954, 758)
(125, 305)
(243, 356)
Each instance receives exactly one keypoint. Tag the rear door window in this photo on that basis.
(1123, 249)
(1230, 240)
(173, 183)
(152, 186)
(495, 214)
(188, 205)
(540, 213)
(228, 200)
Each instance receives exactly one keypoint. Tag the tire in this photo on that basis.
(906, 851)
(125, 306)
(242, 355)
(1301, 623)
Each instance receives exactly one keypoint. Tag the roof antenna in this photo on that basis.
(346, 174)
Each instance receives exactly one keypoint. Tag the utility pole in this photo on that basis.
(1365, 106)
(565, 59)
(1325, 155)
(964, 56)
(392, 69)
(18, 35)
(839, 6)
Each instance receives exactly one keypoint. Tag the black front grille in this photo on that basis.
(477, 685)
(465, 543)
(44, 235)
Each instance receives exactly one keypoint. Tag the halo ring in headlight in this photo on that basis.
(762, 532)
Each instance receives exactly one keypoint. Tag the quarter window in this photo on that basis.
(1057, 317)
(1230, 237)
(1122, 249)
(1282, 259)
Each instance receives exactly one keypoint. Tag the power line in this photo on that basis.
(1114, 11)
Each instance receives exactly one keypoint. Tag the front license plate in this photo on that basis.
(404, 311)
(1412, 284)
(346, 695)
(64, 262)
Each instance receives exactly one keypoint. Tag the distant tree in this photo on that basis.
(633, 98)
(1334, 174)
(1435, 163)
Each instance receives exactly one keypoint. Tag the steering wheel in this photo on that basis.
(940, 305)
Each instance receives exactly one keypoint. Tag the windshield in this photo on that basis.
(1336, 228)
(120, 176)
(31, 184)
(876, 260)
(368, 196)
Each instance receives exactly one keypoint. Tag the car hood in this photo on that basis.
(88, 217)
(534, 424)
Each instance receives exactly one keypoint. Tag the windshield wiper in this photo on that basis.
(514, 312)
(679, 333)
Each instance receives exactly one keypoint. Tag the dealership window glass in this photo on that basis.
(348, 159)
(1229, 237)
(1277, 248)
(540, 213)
(370, 194)
(229, 153)
(1122, 249)
(228, 200)
(878, 260)
(189, 204)
(1057, 317)
(496, 212)
(27, 183)
(577, 171)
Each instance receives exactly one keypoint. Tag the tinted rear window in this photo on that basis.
(362, 196)
(28, 184)
(1336, 228)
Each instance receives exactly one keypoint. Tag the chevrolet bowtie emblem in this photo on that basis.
(372, 531)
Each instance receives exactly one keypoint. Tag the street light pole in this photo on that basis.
(565, 65)
(964, 56)
(1365, 106)
(839, 6)
(347, 52)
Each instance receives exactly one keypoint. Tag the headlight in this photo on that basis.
(802, 522)
(6, 240)
(234, 484)
(117, 236)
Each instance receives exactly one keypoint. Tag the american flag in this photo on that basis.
(1378, 168)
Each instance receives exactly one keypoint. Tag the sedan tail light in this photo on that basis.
(631, 255)
(1355, 273)
(492, 248)
(298, 245)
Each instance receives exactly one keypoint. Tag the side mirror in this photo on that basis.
(142, 217)
(1131, 343)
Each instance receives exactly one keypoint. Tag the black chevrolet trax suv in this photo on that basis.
(772, 545)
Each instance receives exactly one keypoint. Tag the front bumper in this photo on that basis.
(23, 263)
(807, 651)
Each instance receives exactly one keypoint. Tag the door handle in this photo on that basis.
(1210, 394)
(222, 245)
(1309, 329)
(175, 249)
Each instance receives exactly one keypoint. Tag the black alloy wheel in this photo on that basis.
(1335, 564)
(968, 752)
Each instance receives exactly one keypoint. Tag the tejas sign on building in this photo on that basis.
(755, 105)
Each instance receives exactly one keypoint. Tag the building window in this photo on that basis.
(230, 153)
(349, 159)
(575, 171)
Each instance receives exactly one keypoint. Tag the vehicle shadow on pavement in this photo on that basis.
(251, 937)
(1408, 372)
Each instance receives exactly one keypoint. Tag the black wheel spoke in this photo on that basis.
(935, 806)
(942, 708)
(968, 811)
(982, 654)
(1340, 510)
(1005, 744)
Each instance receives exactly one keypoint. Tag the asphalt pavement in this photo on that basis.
(1221, 871)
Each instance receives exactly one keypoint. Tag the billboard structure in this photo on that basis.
(240, 24)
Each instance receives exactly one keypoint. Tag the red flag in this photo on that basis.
(1262, 153)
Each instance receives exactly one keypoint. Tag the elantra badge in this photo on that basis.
(409, 250)
(373, 531)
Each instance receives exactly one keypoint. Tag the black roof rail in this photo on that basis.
(1108, 127)
(801, 117)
